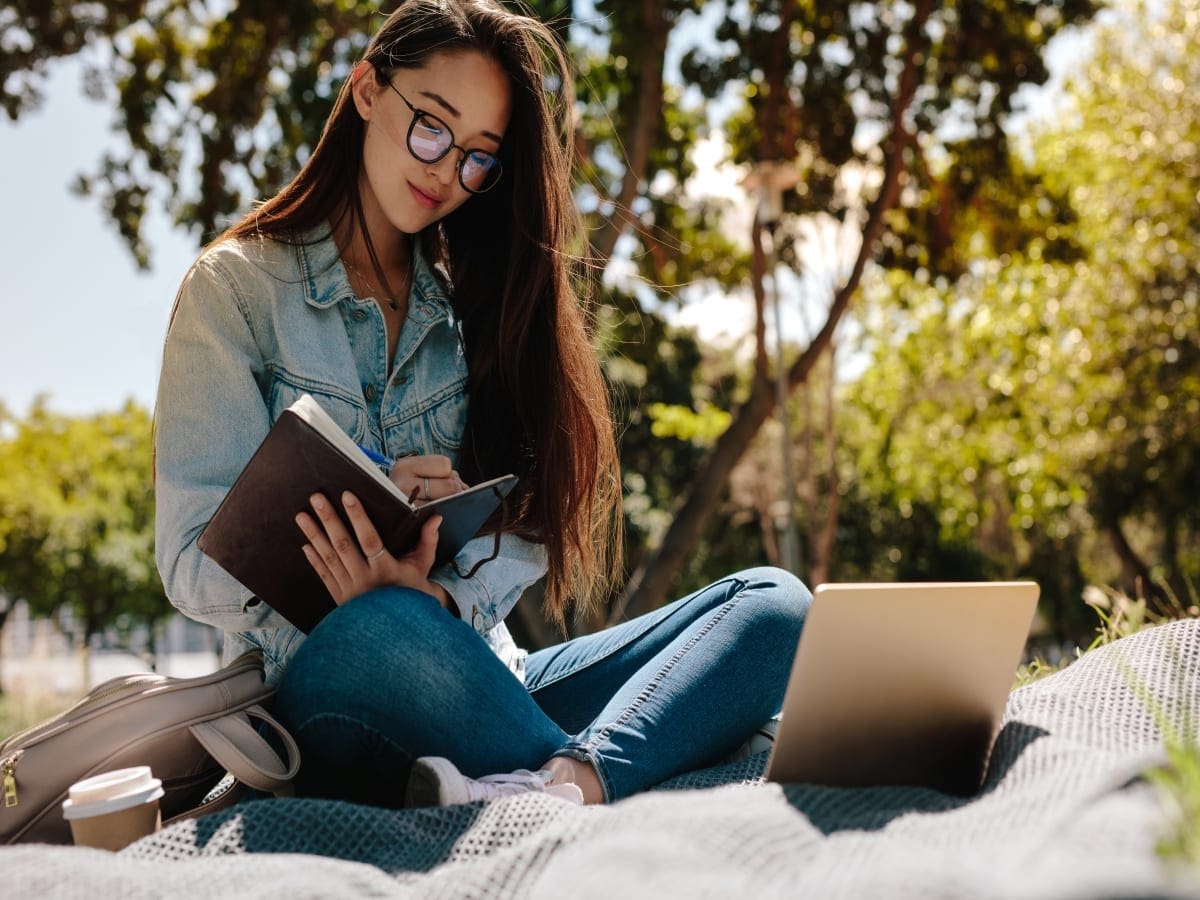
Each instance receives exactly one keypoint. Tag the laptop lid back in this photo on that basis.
(901, 684)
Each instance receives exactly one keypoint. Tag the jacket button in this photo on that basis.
(400, 379)
(477, 621)
(369, 392)
(359, 315)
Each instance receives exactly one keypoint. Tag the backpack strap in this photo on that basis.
(238, 746)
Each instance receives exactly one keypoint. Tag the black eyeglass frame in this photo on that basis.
(458, 167)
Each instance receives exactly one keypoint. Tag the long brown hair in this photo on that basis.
(539, 405)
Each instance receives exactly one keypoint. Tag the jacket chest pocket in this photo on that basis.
(349, 412)
(433, 425)
(447, 420)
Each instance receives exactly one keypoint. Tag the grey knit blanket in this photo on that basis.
(1064, 813)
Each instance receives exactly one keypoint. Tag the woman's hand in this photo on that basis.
(430, 477)
(352, 564)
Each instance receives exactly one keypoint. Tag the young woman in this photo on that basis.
(414, 278)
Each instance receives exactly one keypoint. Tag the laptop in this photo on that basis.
(901, 684)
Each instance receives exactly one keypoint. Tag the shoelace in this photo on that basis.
(491, 786)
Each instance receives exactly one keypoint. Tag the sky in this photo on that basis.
(78, 323)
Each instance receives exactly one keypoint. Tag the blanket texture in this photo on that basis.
(1064, 813)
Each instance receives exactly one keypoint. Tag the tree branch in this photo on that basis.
(649, 585)
(638, 138)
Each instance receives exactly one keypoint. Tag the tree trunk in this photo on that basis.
(807, 478)
(531, 629)
(652, 581)
(638, 138)
(823, 541)
(1135, 568)
(1175, 584)
(4, 618)
(84, 652)
(770, 534)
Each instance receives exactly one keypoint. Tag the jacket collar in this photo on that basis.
(325, 282)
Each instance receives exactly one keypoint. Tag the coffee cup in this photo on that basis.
(114, 809)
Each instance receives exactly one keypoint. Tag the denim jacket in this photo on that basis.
(258, 323)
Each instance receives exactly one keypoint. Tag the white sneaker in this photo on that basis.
(761, 741)
(435, 781)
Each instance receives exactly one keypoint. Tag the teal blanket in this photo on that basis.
(1065, 813)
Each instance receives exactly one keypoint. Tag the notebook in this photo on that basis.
(901, 684)
(253, 533)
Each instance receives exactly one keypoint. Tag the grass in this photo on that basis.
(1178, 781)
(1120, 616)
(1179, 787)
(20, 709)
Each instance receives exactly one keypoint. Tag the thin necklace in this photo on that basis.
(391, 301)
(404, 288)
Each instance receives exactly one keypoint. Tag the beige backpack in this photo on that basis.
(191, 732)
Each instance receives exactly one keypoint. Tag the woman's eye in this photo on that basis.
(429, 129)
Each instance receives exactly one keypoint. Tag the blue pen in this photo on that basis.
(378, 458)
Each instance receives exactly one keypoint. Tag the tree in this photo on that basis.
(868, 92)
(966, 424)
(77, 518)
(219, 103)
(631, 129)
(1038, 395)
(1129, 157)
(220, 106)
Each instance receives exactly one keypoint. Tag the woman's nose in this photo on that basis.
(446, 168)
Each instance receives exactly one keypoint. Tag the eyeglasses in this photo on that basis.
(430, 139)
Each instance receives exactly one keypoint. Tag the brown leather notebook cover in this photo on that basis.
(254, 536)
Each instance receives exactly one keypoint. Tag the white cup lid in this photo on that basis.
(111, 792)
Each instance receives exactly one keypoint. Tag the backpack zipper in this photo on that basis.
(8, 772)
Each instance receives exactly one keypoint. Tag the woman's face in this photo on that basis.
(469, 93)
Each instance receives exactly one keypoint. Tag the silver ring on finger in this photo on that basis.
(375, 556)
(428, 496)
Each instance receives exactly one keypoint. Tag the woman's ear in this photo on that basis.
(363, 86)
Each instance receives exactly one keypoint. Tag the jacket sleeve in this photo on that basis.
(209, 417)
(487, 597)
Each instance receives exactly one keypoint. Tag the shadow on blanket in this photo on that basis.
(838, 809)
(343, 830)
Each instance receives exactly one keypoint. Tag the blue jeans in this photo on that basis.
(392, 676)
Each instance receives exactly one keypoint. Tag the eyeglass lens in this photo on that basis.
(430, 139)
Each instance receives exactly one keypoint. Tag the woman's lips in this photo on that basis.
(426, 200)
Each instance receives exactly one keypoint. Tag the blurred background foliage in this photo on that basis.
(999, 373)
(77, 520)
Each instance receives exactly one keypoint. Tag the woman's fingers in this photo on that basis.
(435, 465)
(328, 538)
(428, 488)
(343, 543)
(322, 570)
(425, 478)
(350, 561)
(432, 466)
(368, 538)
(422, 554)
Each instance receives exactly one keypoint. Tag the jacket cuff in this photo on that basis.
(470, 596)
